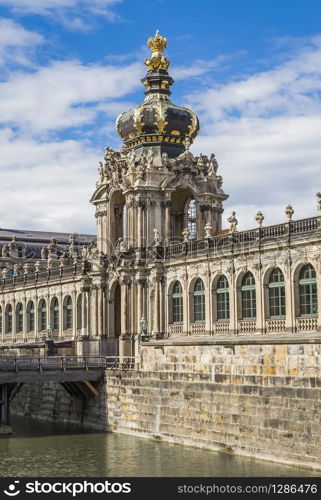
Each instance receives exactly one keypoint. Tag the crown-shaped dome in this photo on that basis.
(157, 121)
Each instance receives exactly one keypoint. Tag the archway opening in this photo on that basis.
(118, 213)
(183, 214)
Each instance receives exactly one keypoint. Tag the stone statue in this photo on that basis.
(101, 171)
(259, 218)
(208, 230)
(43, 253)
(186, 234)
(219, 181)
(13, 243)
(72, 241)
(232, 220)
(121, 245)
(131, 161)
(5, 250)
(84, 252)
(213, 165)
(143, 326)
(318, 202)
(150, 158)
(166, 162)
(188, 143)
(157, 238)
(289, 212)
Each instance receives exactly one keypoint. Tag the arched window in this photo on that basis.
(276, 293)
(222, 299)
(19, 318)
(248, 296)
(68, 313)
(308, 291)
(8, 319)
(177, 303)
(55, 314)
(190, 218)
(42, 315)
(199, 301)
(30, 316)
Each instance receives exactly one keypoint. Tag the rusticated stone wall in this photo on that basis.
(257, 399)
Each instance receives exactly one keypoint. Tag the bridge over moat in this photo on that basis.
(78, 375)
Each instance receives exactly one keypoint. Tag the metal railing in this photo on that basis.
(64, 363)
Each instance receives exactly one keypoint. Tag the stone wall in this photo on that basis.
(260, 399)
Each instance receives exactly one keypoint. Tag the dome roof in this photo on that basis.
(157, 120)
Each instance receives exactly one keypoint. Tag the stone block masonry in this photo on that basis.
(258, 399)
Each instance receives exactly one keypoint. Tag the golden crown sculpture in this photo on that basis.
(157, 44)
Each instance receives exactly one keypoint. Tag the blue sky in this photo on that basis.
(251, 70)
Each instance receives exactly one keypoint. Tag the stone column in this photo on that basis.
(161, 307)
(139, 303)
(24, 305)
(88, 313)
(167, 220)
(233, 301)
(156, 307)
(124, 319)
(14, 320)
(36, 304)
(61, 315)
(186, 306)
(319, 297)
(48, 311)
(259, 289)
(83, 313)
(74, 313)
(124, 305)
(208, 308)
(289, 298)
(3, 320)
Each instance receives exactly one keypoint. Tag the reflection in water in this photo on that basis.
(44, 449)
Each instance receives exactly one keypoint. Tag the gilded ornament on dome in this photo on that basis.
(138, 123)
(161, 122)
(194, 123)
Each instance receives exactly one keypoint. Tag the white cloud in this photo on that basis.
(47, 185)
(75, 14)
(65, 94)
(265, 131)
(197, 68)
(17, 43)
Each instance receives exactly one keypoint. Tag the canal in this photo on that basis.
(43, 449)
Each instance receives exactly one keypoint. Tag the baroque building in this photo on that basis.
(160, 265)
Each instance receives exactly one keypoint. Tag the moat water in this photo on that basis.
(39, 448)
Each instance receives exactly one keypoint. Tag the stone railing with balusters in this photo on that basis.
(243, 239)
(275, 325)
(197, 329)
(221, 327)
(175, 329)
(247, 326)
(306, 324)
(33, 278)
